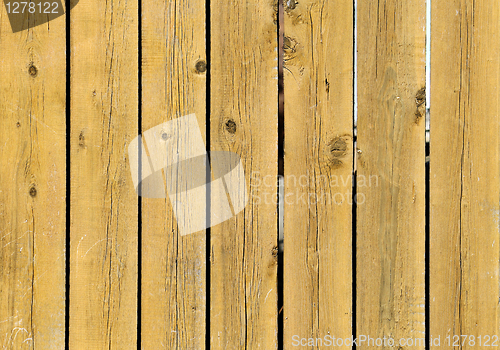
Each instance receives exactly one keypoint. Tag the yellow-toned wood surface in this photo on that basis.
(104, 230)
(464, 174)
(243, 119)
(390, 220)
(173, 266)
(318, 80)
(219, 287)
(32, 185)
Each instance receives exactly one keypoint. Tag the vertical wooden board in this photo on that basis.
(318, 73)
(104, 105)
(32, 185)
(464, 177)
(173, 266)
(243, 120)
(390, 297)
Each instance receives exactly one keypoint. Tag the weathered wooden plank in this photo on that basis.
(173, 266)
(32, 185)
(390, 296)
(318, 73)
(104, 105)
(464, 175)
(243, 119)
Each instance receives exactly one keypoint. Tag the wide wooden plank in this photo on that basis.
(243, 120)
(173, 266)
(104, 118)
(318, 74)
(390, 221)
(32, 185)
(464, 173)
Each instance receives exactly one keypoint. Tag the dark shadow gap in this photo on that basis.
(354, 334)
(208, 241)
(281, 173)
(68, 168)
(427, 178)
(139, 198)
(354, 180)
(427, 247)
(354, 250)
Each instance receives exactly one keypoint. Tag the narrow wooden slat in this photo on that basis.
(104, 94)
(173, 266)
(464, 176)
(32, 185)
(318, 73)
(243, 119)
(391, 153)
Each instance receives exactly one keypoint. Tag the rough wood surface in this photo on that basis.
(391, 149)
(32, 185)
(320, 156)
(244, 96)
(464, 177)
(173, 266)
(318, 79)
(104, 105)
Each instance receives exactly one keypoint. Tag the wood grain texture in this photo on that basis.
(318, 79)
(32, 185)
(243, 119)
(173, 266)
(391, 151)
(104, 118)
(464, 175)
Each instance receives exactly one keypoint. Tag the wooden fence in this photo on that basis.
(87, 264)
